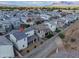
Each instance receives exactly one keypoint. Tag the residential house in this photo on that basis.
(41, 30)
(71, 17)
(5, 26)
(27, 20)
(45, 17)
(55, 14)
(67, 11)
(6, 48)
(51, 25)
(32, 39)
(22, 39)
(61, 22)
(29, 31)
(19, 39)
(16, 23)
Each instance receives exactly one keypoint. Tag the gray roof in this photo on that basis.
(29, 29)
(18, 35)
(4, 41)
(42, 27)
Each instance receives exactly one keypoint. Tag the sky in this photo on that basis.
(38, 3)
(27, 3)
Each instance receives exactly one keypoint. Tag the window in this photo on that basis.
(27, 34)
(34, 40)
(38, 31)
(31, 42)
(23, 45)
(24, 39)
(51, 25)
(0, 26)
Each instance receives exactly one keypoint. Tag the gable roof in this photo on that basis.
(29, 29)
(18, 35)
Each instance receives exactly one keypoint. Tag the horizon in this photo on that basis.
(37, 3)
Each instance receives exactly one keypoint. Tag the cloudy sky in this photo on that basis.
(38, 3)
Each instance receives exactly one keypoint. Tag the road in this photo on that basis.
(46, 48)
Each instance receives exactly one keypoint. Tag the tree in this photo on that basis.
(59, 10)
(25, 25)
(48, 35)
(61, 35)
(57, 30)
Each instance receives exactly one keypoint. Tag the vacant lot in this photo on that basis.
(71, 40)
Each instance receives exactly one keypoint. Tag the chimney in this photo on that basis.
(21, 29)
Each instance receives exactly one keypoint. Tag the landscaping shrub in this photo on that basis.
(57, 30)
(61, 35)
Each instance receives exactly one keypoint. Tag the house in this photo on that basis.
(15, 23)
(71, 17)
(55, 14)
(5, 26)
(44, 17)
(51, 25)
(22, 39)
(27, 20)
(76, 11)
(67, 11)
(29, 31)
(32, 39)
(6, 48)
(19, 39)
(41, 30)
(61, 22)
(30, 15)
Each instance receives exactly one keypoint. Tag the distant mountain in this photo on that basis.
(7, 5)
(67, 3)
